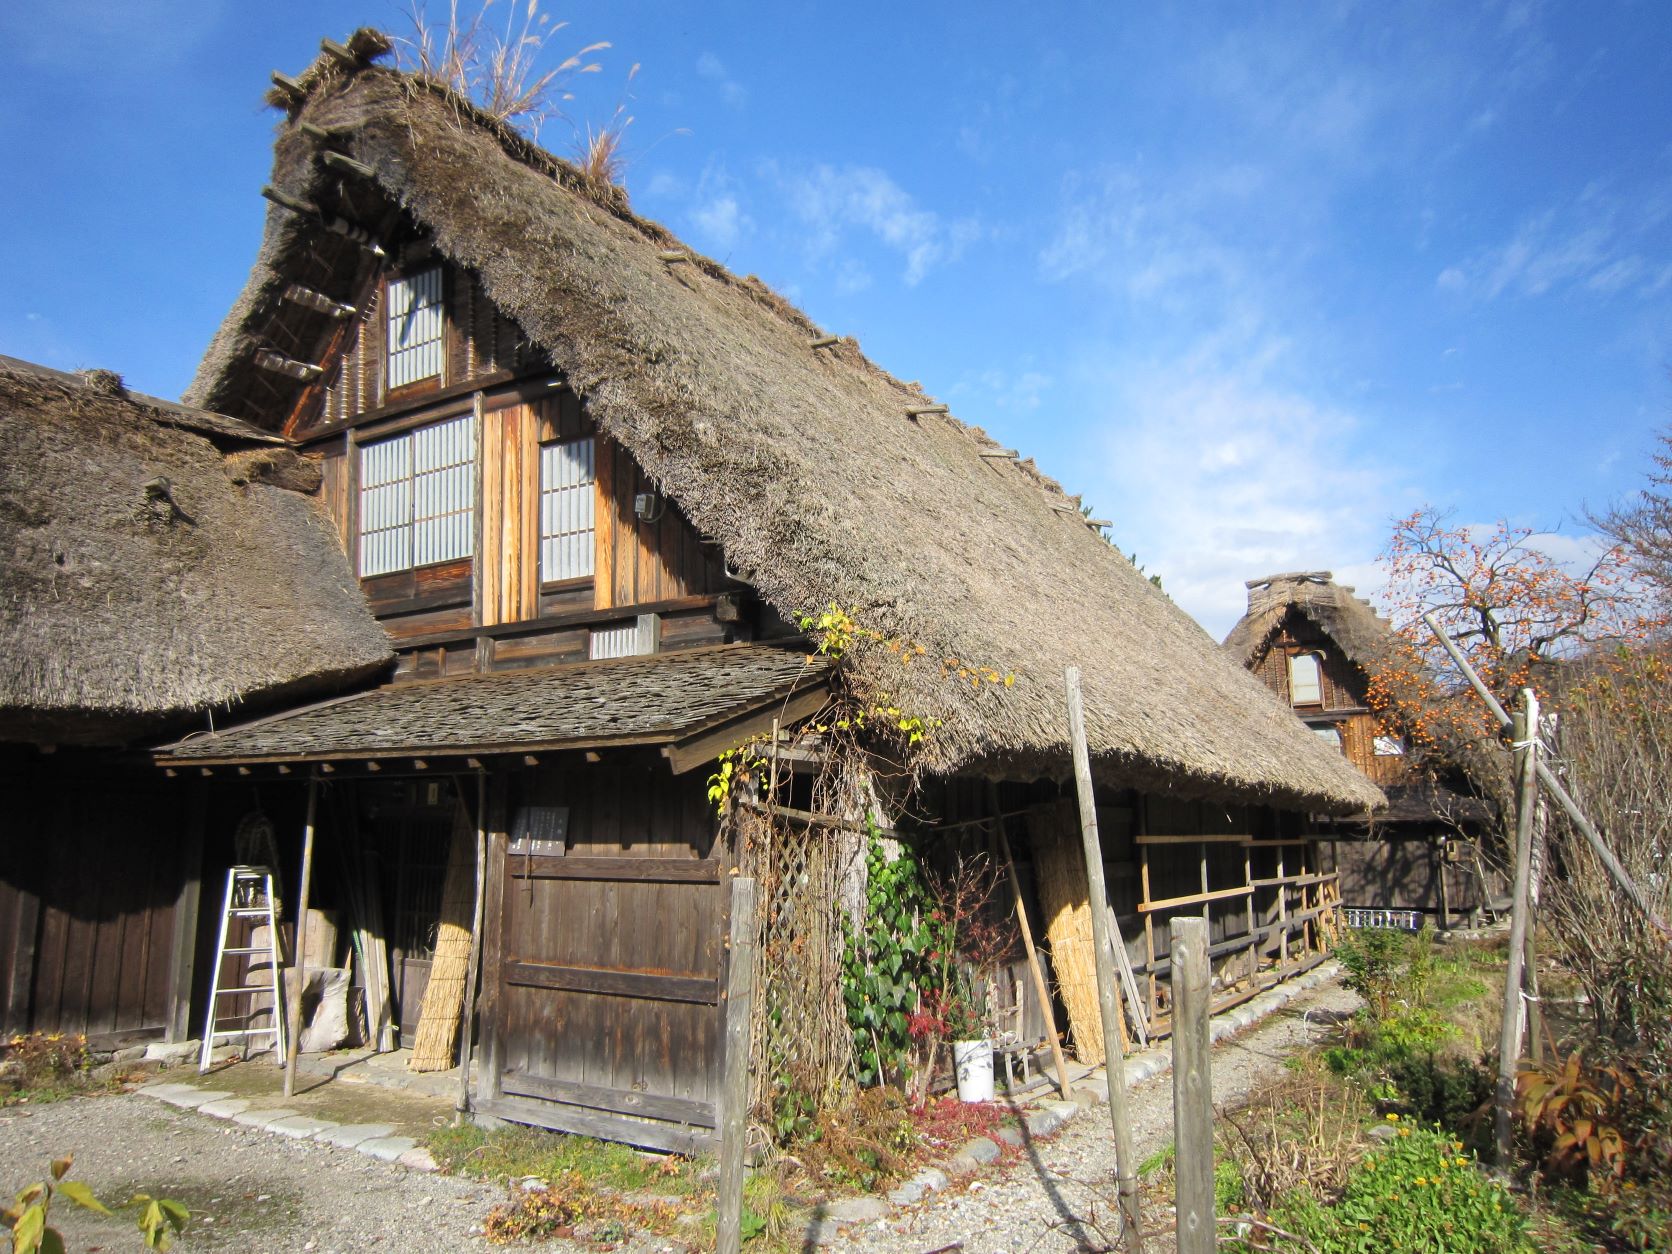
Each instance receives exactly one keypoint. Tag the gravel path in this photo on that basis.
(247, 1190)
(1033, 1203)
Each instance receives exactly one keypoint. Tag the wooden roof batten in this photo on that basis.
(667, 368)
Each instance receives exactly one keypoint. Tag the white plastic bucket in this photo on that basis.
(974, 1061)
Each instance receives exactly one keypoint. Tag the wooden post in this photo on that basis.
(475, 944)
(183, 944)
(1114, 1063)
(1509, 1035)
(734, 1087)
(1192, 1089)
(299, 959)
(1445, 890)
(1041, 989)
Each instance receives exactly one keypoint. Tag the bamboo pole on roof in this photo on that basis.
(438, 1017)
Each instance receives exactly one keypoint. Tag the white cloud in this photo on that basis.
(1591, 243)
(830, 199)
(1222, 474)
(731, 91)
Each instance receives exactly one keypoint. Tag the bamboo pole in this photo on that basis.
(1192, 1088)
(299, 962)
(1114, 1063)
(1041, 989)
(1509, 1035)
(469, 1014)
(1557, 789)
(734, 1089)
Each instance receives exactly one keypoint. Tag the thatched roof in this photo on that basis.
(801, 462)
(154, 565)
(1362, 634)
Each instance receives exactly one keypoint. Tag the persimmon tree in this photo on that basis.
(1514, 611)
(1642, 524)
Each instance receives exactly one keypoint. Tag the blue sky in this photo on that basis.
(1253, 279)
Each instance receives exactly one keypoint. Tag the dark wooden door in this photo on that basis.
(603, 1010)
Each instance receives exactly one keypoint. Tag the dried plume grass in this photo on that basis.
(498, 70)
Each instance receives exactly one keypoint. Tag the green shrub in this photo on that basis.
(1420, 1193)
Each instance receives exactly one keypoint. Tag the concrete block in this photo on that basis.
(225, 1108)
(349, 1135)
(908, 1194)
(300, 1127)
(933, 1179)
(388, 1148)
(261, 1118)
(981, 1150)
(177, 1052)
(1010, 1136)
(418, 1159)
(191, 1099)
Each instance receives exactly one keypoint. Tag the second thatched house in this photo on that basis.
(606, 499)
(1316, 646)
(163, 569)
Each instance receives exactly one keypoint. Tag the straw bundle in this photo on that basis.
(438, 1018)
(1060, 870)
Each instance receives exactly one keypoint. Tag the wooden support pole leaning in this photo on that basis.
(1192, 1089)
(734, 1086)
(1556, 788)
(299, 960)
(1509, 1034)
(1114, 1063)
(475, 944)
(1035, 968)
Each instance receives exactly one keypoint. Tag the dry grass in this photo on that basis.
(1304, 1130)
(498, 70)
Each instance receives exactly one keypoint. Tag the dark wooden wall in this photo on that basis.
(90, 870)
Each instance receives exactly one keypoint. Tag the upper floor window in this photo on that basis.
(418, 497)
(415, 327)
(567, 510)
(1306, 686)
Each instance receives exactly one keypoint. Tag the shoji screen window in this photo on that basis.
(567, 510)
(414, 311)
(418, 497)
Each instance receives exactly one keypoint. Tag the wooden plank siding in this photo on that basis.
(87, 903)
(604, 1015)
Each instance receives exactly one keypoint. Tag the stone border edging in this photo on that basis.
(373, 1139)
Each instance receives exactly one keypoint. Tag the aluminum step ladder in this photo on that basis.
(249, 895)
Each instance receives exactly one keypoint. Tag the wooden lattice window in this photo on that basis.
(568, 527)
(418, 497)
(416, 323)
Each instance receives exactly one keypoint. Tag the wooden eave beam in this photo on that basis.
(267, 359)
(332, 223)
(347, 165)
(306, 297)
(694, 751)
(917, 411)
(339, 53)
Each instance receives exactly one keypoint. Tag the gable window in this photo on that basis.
(1306, 685)
(418, 497)
(567, 510)
(415, 327)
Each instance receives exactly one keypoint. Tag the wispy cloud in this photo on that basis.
(713, 70)
(1597, 243)
(829, 200)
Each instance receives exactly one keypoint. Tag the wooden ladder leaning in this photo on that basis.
(249, 895)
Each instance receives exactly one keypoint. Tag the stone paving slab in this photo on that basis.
(301, 1127)
(388, 1148)
(350, 1135)
(261, 1118)
(225, 1108)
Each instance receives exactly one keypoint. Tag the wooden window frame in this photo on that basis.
(568, 582)
(417, 388)
(1317, 659)
(358, 450)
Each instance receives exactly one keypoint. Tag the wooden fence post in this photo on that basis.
(1509, 1034)
(1108, 997)
(1192, 1089)
(734, 1088)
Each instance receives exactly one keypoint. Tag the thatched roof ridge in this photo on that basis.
(804, 464)
(1363, 635)
(153, 567)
